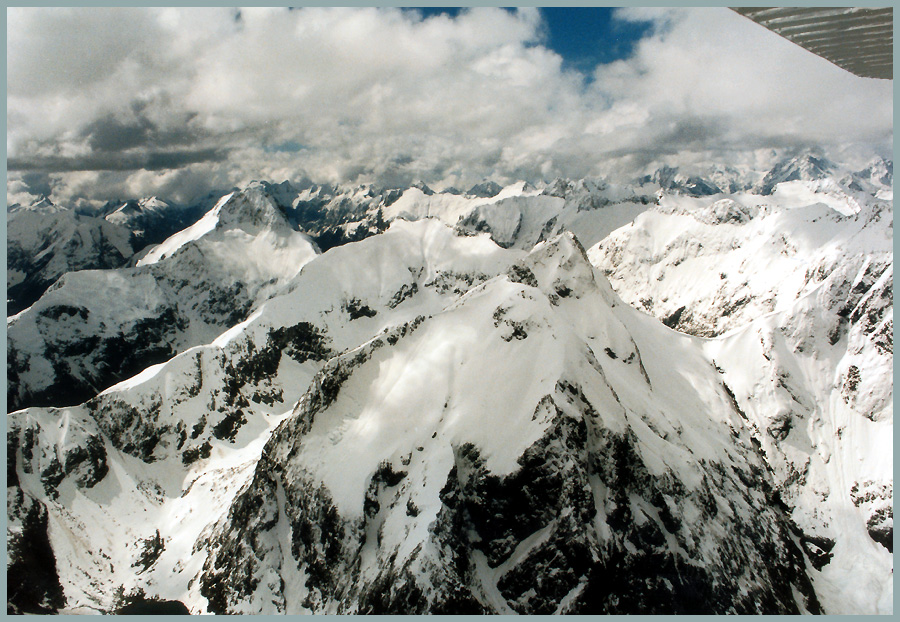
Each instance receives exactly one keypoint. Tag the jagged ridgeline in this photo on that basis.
(671, 396)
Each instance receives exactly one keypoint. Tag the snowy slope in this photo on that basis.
(511, 421)
(181, 436)
(583, 468)
(94, 328)
(815, 383)
(451, 410)
(200, 228)
(798, 284)
(707, 265)
(521, 215)
(44, 241)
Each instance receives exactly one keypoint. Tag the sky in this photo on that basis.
(124, 102)
(583, 36)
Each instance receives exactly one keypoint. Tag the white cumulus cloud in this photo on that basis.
(176, 101)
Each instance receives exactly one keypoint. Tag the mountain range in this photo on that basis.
(668, 395)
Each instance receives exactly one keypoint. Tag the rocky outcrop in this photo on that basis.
(32, 579)
(581, 526)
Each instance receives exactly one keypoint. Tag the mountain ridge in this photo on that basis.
(528, 434)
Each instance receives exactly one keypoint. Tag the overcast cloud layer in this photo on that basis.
(107, 103)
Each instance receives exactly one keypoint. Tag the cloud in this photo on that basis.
(162, 99)
(713, 80)
(128, 161)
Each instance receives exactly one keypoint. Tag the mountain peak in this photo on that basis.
(672, 179)
(283, 194)
(43, 204)
(152, 203)
(559, 187)
(485, 189)
(139, 212)
(561, 266)
(878, 171)
(252, 209)
(423, 187)
(808, 166)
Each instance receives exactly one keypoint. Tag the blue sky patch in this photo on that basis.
(587, 37)
(288, 146)
(584, 36)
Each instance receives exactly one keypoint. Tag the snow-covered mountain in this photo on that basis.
(670, 179)
(151, 220)
(798, 283)
(332, 215)
(518, 215)
(707, 265)
(879, 172)
(815, 383)
(583, 464)
(456, 408)
(44, 241)
(522, 215)
(463, 495)
(41, 249)
(805, 167)
(96, 327)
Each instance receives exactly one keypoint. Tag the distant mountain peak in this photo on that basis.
(45, 205)
(486, 189)
(421, 185)
(878, 171)
(153, 202)
(255, 207)
(559, 187)
(807, 166)
(672, 179)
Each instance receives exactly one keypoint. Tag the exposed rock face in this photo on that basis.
(485, 189)
(525, 543)
(32, 581)
(876, 500)
(536, 530)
